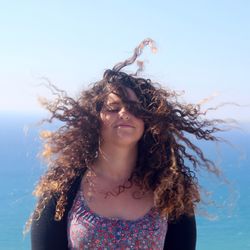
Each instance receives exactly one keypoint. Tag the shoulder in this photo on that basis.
(181, 234)
(48, 233)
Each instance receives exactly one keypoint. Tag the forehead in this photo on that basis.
(130, 94)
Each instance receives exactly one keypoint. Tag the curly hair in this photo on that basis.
(168, 160)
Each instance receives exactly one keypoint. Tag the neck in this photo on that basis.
(116, 163)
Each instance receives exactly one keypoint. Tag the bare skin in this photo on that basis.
(117, 157)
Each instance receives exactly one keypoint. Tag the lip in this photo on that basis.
(124, 125)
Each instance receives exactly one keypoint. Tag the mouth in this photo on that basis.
(124, 126)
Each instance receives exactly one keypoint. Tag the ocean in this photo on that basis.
(227, 227)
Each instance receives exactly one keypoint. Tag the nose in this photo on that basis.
(124, 114)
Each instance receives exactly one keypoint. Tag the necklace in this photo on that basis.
(93, 188)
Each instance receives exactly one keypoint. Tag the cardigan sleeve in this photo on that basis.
(48, 234)
(181, 234)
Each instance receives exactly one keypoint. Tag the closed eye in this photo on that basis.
(113, 109)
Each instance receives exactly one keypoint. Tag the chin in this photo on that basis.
(122, 138)
(127, 140)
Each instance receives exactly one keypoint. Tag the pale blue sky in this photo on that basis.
(203, 47)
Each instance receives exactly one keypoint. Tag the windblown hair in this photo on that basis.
(168, 161)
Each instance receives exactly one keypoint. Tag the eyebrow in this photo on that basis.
(120, 102)
(114, 102)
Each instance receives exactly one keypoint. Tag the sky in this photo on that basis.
(203, 48)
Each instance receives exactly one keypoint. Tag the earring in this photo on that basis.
(98, 149)
(96, 154)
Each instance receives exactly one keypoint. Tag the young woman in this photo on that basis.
(121, 168)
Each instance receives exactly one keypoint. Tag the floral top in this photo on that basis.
(88, 230)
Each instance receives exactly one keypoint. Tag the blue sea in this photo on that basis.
(227, 227)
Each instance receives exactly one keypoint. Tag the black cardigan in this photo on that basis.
(48, 234)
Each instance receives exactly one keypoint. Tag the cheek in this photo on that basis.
(106, 119)
(141, 125)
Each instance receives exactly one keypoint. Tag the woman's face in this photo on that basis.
(119, 126)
